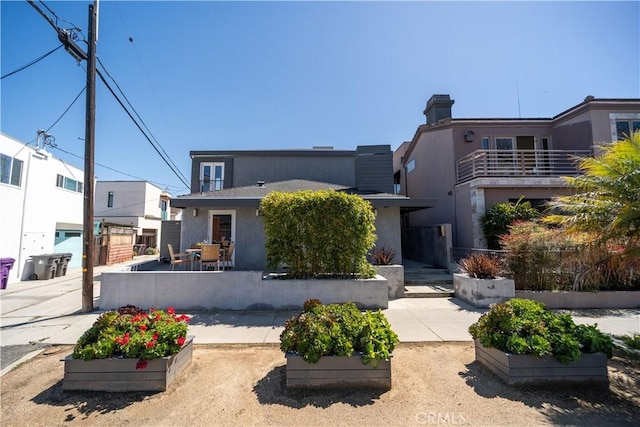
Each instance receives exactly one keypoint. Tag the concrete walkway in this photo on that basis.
(48, 312)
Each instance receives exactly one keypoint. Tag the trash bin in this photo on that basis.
(44, 266)
(64, 264)
(6, 264)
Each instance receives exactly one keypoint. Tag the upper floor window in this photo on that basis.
(10, 170)
(211, 177)
(110, 199)
(68, 183)
(486, 142)
(624, 128)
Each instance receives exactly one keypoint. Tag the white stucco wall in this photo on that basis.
(31, 213)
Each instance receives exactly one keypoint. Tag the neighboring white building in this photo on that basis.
(41, 206)
(137, 203)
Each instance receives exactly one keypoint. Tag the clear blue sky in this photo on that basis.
(270, 75)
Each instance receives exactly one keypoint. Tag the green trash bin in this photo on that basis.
(44, 266)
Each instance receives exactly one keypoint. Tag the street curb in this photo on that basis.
(23, 359)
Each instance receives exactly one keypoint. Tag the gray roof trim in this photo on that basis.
(252, 195)
(278, 153)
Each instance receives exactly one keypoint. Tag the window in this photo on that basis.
(623, 124)
(110, 199)
(68, 184)
(504, 143)
(211, 177)
(624, 128)
(486, 141)
(10, 170)
(411, 166)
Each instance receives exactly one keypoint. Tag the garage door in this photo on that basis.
(70, 241)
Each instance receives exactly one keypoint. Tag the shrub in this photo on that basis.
(131, 332)
(536, 257)
(481, 266)
(523, 326)
(316, 234)
(499, 217)
(338, 330)
(382, 256)
(542, 258)
(150, 251)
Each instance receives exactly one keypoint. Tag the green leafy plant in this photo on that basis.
(522, 326)
(338, 330)
(500, 216)
(606, 203)
(318, 233)
(150, 251)
(632, 341)
(131, 332)
(481, 266)
(382, 256)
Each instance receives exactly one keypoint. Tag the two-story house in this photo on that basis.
(227, 187)
(42, 205)
(139, 204)
(468, 165)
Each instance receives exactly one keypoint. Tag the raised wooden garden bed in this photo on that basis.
(337, 372)
(120, 375)
(517, 369)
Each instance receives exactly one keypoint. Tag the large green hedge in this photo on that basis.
(318, 233)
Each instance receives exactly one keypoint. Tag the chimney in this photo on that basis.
(438, 108)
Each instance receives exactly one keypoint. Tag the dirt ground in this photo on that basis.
(433, 383)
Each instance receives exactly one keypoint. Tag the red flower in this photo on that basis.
(150, 344)
(143, 327)
(171, 311)
(156, 336)
(180, 341)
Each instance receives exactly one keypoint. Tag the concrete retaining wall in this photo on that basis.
(232, 290)
(574, 300)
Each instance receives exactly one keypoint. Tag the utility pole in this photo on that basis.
(89, 153)
(67, 39)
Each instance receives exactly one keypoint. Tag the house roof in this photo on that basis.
(251, 196)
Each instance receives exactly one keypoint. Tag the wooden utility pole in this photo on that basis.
(89, 153)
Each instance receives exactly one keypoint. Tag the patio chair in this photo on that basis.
(210, 255)
(177, 258)
(227, 256)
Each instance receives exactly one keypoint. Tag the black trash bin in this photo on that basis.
(44, 266)
(64, 264)
(6, 264)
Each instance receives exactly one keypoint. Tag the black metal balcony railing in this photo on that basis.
(519, 163)
(209, 185)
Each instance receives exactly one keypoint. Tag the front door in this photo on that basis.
(221, 225)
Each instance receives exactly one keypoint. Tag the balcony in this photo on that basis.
(518, 163)
(209, 185)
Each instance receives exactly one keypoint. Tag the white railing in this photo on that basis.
(519, 163)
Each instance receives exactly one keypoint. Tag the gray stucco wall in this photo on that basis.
(388, 230)
(250, 240)
(249, 236)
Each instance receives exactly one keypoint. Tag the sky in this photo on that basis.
(213, 75)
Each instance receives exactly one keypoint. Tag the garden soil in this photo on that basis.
(244, 385)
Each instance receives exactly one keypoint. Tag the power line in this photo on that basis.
(74, 26)
(140, 128)
(31, 63)
(159, 184)
(68, 108)
(142, 121)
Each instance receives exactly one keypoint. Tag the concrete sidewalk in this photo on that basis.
(47, 312)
